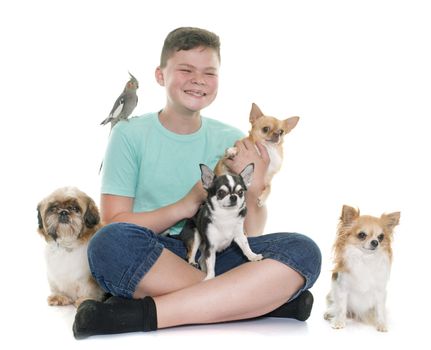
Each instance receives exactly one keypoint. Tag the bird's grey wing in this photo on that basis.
(116, 109)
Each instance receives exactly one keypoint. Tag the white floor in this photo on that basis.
(27, 319)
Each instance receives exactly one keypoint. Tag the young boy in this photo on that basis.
(151, 183)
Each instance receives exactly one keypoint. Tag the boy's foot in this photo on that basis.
(116, 315)
(298, 308)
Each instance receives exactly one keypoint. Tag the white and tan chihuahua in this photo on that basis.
(270, 132)
(362, 257)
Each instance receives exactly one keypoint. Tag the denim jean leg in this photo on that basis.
(120, 254)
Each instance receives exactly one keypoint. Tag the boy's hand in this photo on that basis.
(247, 153)
(192, 201)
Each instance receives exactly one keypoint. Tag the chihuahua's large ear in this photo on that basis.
(348, 215)
(255, 113)
(247, 174)
(207, 176)
(290, 123)
(391, 220)
(91, 216)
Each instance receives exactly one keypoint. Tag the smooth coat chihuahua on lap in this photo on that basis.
(270, 132)
(363, 257)
(220, 220)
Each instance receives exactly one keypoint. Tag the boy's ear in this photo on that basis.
(159, 76)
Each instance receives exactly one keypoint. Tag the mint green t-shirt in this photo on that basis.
(157, 167)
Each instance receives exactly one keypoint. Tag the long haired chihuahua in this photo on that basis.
(270, 132)
(362, 257)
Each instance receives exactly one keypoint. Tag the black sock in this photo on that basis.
(116, 315)
(299, 308)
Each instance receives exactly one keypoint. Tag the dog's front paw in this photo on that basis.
(338, 324)
(194, 264)
(382, 327)
(256, 257)
(231, 152)
(59, 300)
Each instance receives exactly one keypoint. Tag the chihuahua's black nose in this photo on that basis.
(233, 199)
(374, 243)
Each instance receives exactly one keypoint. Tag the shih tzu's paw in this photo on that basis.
(59, 300)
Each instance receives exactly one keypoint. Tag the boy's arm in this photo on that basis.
(120, 209)
(256, 216)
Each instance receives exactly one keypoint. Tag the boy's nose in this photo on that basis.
(198, 79)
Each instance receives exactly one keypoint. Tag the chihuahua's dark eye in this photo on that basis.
(381, 237)
(281, 132)
(265, 129)
(221, 194)
(362, 235)
(240, 193)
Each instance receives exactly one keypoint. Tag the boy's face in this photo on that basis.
(190, 78)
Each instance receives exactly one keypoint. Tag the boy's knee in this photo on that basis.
(103, 247)
(311, 258)
(303, 254)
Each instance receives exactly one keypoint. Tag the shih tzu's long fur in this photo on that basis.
(68, 218)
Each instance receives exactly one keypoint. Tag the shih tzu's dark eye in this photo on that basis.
(51, 209)
(381, 237)
(265, 129)
(221, 194)
(73, 208)
(362, 235)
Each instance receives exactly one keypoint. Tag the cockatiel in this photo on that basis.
(125, 103)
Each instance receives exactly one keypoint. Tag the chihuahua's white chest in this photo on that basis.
(366, 279)
(225, 225)
(274, 163)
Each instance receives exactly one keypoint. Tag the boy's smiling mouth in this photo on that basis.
(195, 93)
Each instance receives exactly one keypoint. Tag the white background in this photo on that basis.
(356, 72)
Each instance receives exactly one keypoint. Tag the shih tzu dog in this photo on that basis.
(68, 218)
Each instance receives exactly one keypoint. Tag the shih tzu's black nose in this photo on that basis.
(64, 216)
(374, 243)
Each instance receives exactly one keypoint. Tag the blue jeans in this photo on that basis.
(120, 255)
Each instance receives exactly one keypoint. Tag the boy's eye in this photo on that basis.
(381, 237)
(265, 129)
(186, 70)
(362, 235)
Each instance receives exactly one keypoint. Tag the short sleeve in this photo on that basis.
(120, 165)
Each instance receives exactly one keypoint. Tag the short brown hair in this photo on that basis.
(187, 38)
